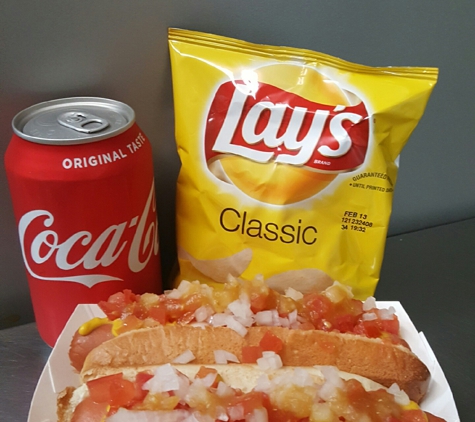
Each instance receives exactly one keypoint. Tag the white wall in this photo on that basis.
(118, 49)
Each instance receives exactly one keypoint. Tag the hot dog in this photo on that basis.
(236, 393)
(198, 324)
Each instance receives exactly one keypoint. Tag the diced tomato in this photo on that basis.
(116, 304)
(140, 394)
(355, 306)
(368, 328)
(122, 393)
(130, 297)
(258, 302)
(159, 313)
(90, 411)
(187, 317)
(99, 389)
(142, 378)
(355, 391)
(270, 342)
(192, 303)
(250, 401)
(204, 371)
(112, 310)
(250, 354)
(138, 310)
(113, 390)
(174, 309)
(317, 307)
(318, 303)
(344, 323)
(390, 325)
(130, 322)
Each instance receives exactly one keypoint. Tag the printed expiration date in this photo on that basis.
(355, 221)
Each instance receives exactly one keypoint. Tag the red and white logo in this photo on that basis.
(267, 124)
(48, 256)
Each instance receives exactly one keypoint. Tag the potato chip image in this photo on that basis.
(305, 280)
(220, 269)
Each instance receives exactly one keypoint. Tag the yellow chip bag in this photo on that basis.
(289, 160)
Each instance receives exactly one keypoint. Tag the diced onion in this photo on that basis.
(302, 378)
(331, 384)
(263, 384)
(165, 378)
(203, 313)
(370, 316)
(293, 294)
(221, 414)
(180, 290)
(258, 415)
(387, 314)
(269, 361)
(369, 303)
(235, 325)
(186, 357)
(224, 389)
(338, 292)
(269, 318)
(207, 381)
(284, 322)
(222, 357)
(236, 413)
(400, 397)
(241, 309)
(218, 320)
(293, 317)
(264, 318)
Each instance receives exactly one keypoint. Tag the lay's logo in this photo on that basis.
(274, 125)
(271, 128)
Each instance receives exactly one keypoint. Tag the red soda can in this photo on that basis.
(81, 179)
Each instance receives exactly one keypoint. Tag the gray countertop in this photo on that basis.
(431, 272)
(22, 357)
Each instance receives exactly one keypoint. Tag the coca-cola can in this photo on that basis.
(81, 179)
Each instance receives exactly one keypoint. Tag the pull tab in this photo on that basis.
(82, 122)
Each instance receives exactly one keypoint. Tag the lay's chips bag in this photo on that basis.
(289, 161)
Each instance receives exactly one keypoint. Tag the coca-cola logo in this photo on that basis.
(264, 123)
(47, 247)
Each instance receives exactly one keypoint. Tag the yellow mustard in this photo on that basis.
(96, 322)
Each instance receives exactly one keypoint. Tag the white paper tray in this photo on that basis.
(58, 374)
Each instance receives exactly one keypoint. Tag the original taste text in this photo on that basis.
(104, 158)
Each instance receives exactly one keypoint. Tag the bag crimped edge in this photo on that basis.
(294, 53)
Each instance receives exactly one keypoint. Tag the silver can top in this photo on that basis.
(70, 121)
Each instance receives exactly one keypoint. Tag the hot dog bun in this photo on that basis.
(282, 386)
(327, 328)
(382, 362)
